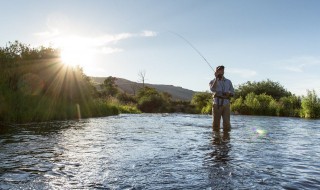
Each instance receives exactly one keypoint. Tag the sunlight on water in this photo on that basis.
(161, 151)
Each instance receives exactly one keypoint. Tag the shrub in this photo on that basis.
(238, 106)
(125, 98)
(207, 109)
(129, 109)
(36, 86)
(252, 103)
(182, 107)
(268, 105)
(310, 105)
(289, 106)
(202, 102)
(267, 87)
(151, 104)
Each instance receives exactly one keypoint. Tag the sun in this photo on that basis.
(74, 56)
(76, 51)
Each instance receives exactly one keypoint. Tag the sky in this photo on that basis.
(255, 40)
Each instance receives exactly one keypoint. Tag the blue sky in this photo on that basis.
(254, 39)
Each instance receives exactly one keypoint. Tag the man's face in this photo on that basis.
(220, 73)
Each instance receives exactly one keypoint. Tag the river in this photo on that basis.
(161, 151)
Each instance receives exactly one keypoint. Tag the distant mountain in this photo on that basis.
(130, 87)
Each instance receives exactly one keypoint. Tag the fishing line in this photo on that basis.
(193, 48)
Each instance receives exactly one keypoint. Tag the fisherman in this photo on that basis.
(222, 91)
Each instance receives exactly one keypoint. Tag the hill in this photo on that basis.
(130, 87)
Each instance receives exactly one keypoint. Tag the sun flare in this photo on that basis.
(76, 57)
(76, 51)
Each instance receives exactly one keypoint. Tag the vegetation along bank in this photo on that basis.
(36, 86)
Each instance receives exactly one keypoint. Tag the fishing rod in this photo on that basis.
(193, 48)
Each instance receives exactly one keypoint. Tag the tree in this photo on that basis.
(36, 86)
(268, 87)
(142, 77)
(151, 101)
(15, 55)
(289, 106)
(109, 87)
(126, 98)
(268, 106)
(310, 105)
(16, 52)
(252, 103)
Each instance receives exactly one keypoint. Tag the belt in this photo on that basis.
(219, 98)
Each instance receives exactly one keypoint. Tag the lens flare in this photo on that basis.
(259, 133)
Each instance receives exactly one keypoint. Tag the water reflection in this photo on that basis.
(221, 146)
(219, 169)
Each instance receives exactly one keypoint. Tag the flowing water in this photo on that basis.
(161, 151)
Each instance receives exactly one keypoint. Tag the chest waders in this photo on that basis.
(220, 104)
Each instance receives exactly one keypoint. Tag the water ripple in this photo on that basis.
(161, 151)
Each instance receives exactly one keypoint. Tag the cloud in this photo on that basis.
(102, 42)
(102, 39)
(244, 73)
(148, 33)
(122, 36)
(107, 38)
(48, 34)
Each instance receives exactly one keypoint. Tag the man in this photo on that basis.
(222, 90)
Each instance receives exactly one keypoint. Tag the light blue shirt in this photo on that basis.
(224, 85)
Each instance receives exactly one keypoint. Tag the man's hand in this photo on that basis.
(228, 94)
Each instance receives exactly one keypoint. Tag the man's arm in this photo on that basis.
(231, 89)
(213, 85)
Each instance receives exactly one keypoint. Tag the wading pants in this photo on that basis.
(217, 113)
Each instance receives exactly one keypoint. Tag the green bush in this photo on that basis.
(125, 98)
(252, 103)
(152, 104)
(129, 109)
(36, 86)
(24, 109)
(267, 87)
(310, 105)
(238, 106)
(268, 105)
(207, 109)
(151, 101)
(273, 109)
(289, 106)
(202, 102)
(182, 107)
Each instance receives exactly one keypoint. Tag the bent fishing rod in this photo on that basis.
(193, 47)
